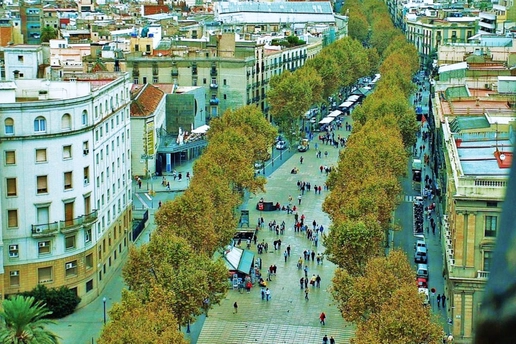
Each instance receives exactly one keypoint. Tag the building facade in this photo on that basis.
(66, 182)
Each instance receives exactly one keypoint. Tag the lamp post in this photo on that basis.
(104, 302)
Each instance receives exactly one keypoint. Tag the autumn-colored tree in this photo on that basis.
(186, 276)
(325, 64)
(361, 297)
(401, 319)
(289, 97)
(351, 243)
(133, 321)
(382, 33)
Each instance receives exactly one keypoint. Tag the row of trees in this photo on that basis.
(377, 293)
(293, 93)
(174, 277)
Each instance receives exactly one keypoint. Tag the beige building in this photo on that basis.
(477, 134)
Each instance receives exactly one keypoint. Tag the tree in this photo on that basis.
(361, 297)
(289, 97)
(59, 301)
(23, 322)
(351, 243)
(401, 319)
(48, 33)
(186, 276)
(140, 323)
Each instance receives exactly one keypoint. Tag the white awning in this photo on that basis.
(346, 105)
(335, 113)
(352, 98)
(326, 120)
(201, 130)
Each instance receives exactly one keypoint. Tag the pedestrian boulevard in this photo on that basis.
(287, 317)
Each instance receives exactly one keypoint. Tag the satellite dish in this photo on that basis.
(502, 157)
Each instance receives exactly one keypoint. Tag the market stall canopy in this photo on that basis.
(326, 120)
(335, 113)
(201, 130)
(238, 259)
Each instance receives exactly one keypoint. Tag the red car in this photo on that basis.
(422, 282)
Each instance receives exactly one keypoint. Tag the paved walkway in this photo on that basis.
(287, 317)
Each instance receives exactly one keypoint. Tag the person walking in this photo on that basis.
(302, 282)
(285, 254)
(438, 300)
(299, 199)
(267, 294)
(306, 271)
(325, 339)
(301, 160)
(235, 307)
(332, 340)
(322, 318)
(306, 294)
(443, 299)
(318, 281)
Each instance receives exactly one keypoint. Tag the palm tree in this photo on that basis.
(22, 322)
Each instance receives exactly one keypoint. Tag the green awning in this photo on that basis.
(246, 262)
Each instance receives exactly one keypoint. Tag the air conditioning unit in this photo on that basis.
(42, 244)
(14, 273)
(452, 261)
(38, 229)
(69, 266)
(13, 247)
(86, 181)
(85, 151)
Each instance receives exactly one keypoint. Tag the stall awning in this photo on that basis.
(335, 113)
(326, 120)
(246, 262)
(201, 130)
(237, 259)
(346, 105)
(353, 98)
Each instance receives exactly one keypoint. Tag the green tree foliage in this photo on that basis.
(185, 276)
(59, 301)
(48, 33)
(23, 322)
(351, 243)
(141, 323)
(358, 298)
(289, 96)
(400, 319)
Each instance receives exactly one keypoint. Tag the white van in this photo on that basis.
(420, 242)
(420, 256)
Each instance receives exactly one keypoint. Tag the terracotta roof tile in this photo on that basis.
(145, 100)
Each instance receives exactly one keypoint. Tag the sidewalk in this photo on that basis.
(85, 324)
(287, 317)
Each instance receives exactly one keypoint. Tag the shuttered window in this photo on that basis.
(42, 184)
(10, 158)
(12, 218)
(41, 155)
(11, 187)
(67, 180)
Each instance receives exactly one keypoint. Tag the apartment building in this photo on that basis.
(65, 182)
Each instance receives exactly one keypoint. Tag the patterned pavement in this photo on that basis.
(287, 317)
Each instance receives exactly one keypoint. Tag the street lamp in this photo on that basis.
(104, 301)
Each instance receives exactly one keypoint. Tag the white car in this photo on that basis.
(281, 145)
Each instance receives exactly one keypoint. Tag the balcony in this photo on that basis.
(214, 86)
(45, 230)
(91, 217)
(483, 275)
(72, 225)
(174, 72)
(214, 101)
(213, 72)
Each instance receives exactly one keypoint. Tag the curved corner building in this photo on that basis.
(65, 190)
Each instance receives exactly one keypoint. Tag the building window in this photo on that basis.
(66, 122)
(85, 117)
(42, 186)
(490, 227)
(45, 275)
(89, 285)
(13, 251)
(488, 259)
(71, 268)
(67, 152)
(67, 180)
(86, 175)
(14, 278)
(12, 218)
(41, 155)
(9, 126)
(87, 235)
(70, 242)
(44, 247)
(11, 187)
(85, 148)
(89, 261)
(20, 58)
(40, 125)
(155, 80)
(10, 157)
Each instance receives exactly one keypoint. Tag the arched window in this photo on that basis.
(9, 126)
(85, 117)
(66, 122)
(40, 124)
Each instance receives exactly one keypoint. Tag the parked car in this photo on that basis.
(426, 297)
(281, 145)
(422, 271)
(420, 242)
(422, 282)
(420, 256)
